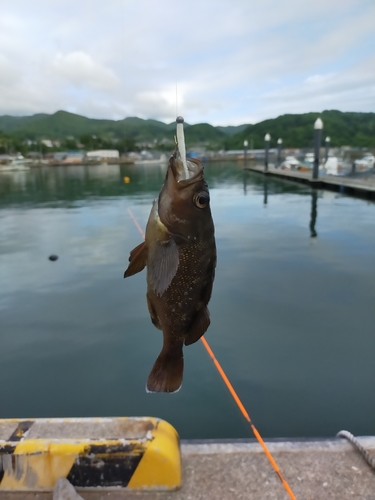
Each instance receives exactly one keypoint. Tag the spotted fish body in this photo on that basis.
(180, 254)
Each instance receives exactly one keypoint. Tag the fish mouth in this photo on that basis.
(183, 177)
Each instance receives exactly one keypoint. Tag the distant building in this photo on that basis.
(103, 154)
(255, 153)
(144, 144)
(5, 159)
(69, 156)
(35, 155)
(47, 142)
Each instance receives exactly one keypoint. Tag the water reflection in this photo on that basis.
(265, 190)
(280, 341)
(245, 175)
(314, 213)
(67, 184)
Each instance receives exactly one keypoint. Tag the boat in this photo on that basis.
(308, 162)
(309, 158)
(336, 166)
(365, 163)
(153, 161)
(15, 164)
(290, 162)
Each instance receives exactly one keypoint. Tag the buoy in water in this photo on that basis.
(53, 257)
(126, 180)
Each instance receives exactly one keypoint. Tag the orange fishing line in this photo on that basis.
(136, 223)
(247, 417)
(235, 396)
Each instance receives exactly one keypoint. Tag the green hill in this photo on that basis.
(63, 124)
(232, 130)
(351, 128)
(203, 134)
(10, 123)
(344, 129)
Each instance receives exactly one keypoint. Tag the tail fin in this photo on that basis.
(166, 374)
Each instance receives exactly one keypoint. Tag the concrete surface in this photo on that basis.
(63, 490)
(315, 470)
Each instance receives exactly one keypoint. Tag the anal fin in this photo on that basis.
(199, 326)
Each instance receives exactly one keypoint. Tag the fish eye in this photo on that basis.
(201, 199)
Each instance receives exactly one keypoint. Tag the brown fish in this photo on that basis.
(180, 254)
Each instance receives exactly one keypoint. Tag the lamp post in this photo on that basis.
(318, 127)
(267, 139)
(328, 141)
(245, 144)
(279, 143)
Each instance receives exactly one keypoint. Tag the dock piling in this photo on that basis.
(328, 142)
(267, 139)
(318, 126)
(279, 143)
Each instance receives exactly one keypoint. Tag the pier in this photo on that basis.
(363, 186)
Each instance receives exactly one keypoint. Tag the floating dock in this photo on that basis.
(363, 185)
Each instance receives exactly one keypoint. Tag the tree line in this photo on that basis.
(70, 131)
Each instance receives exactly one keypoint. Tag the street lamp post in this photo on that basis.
(318, 127)
(328, 141)
(279, 143)
(267, 139)
(245, 144)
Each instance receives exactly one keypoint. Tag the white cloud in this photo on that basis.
(153, 104)
(8, 72)
(319, 79)
(79, 69)
(351, 89)
(232, 61)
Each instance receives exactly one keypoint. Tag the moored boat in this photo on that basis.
(337, 166)
(290, 162)
(15, 163)
(153, 161)
(365, 163)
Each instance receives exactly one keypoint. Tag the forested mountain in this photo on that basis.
(350, 128)
(344, 129)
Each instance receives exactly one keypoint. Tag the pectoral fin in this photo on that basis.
(137, 260)
(163, 266)
(198, 327)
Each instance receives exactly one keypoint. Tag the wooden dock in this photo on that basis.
(363, 185)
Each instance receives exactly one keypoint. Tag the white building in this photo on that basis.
(103, 154)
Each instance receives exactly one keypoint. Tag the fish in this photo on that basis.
(179, 253)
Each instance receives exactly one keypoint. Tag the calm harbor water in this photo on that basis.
(293, 306)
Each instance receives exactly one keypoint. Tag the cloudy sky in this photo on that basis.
(232, 61)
